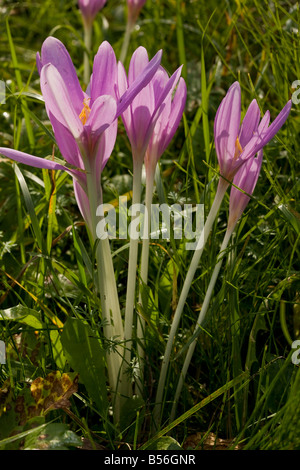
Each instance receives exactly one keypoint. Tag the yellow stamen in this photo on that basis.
(238, 149)
(83, 116)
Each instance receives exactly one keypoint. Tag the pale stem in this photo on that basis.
(200, 320)
(110, 307)
(144, 279)
(88, 28)
(126, 40)
(184, 293)
(131, 279)
(113, 330)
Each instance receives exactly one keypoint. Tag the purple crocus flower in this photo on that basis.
(90, 8)
(134, 8)
(144, 111)
(236, 143)
(84, 123)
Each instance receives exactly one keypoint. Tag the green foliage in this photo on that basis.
(86, 356)
(33, 402)
(165, 443)
(54, 436)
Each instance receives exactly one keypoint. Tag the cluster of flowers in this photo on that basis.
(85, 122)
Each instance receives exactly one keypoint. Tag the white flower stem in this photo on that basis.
(184, 293)
(126, 40)
(131, 279)
(200, 320)
(111, 314)
(144, 280)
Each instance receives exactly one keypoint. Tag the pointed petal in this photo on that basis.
(264, 123)
(178, 105)
(249, 124)
(31, 160)
(253, 146)
(167, 90)
(166, 126)
(122, 88)
(39, 64)
(277, 123)
(104, 80)
(138, 63)
(256, 142)
(265, 132)
(159, 134)
(160, 81)
(142, 105)
(161, 104)
(139, 83)
(226, 126)
(55, 53)
(58, 100)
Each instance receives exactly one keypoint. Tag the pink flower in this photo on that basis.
(84, 123)
(134, 8)
(151, 107)
(236, 143)
(90, 8)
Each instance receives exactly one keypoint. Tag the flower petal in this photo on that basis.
(245, 179)
(102, 114)
(161, 103)
(31, 160)
(58, 100)
(122, 88)
(139, 83)
(265, 133)
(55, 53)
(226, 126)
(257, 141)
(66, 143)
(277, 123)
(178, 105)
(39, 64)
(105, 147)
(104, 77)
(142, 106)
(89, 8)
(249, 124)
(138, 63)
(166, 126)
(82, 201)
